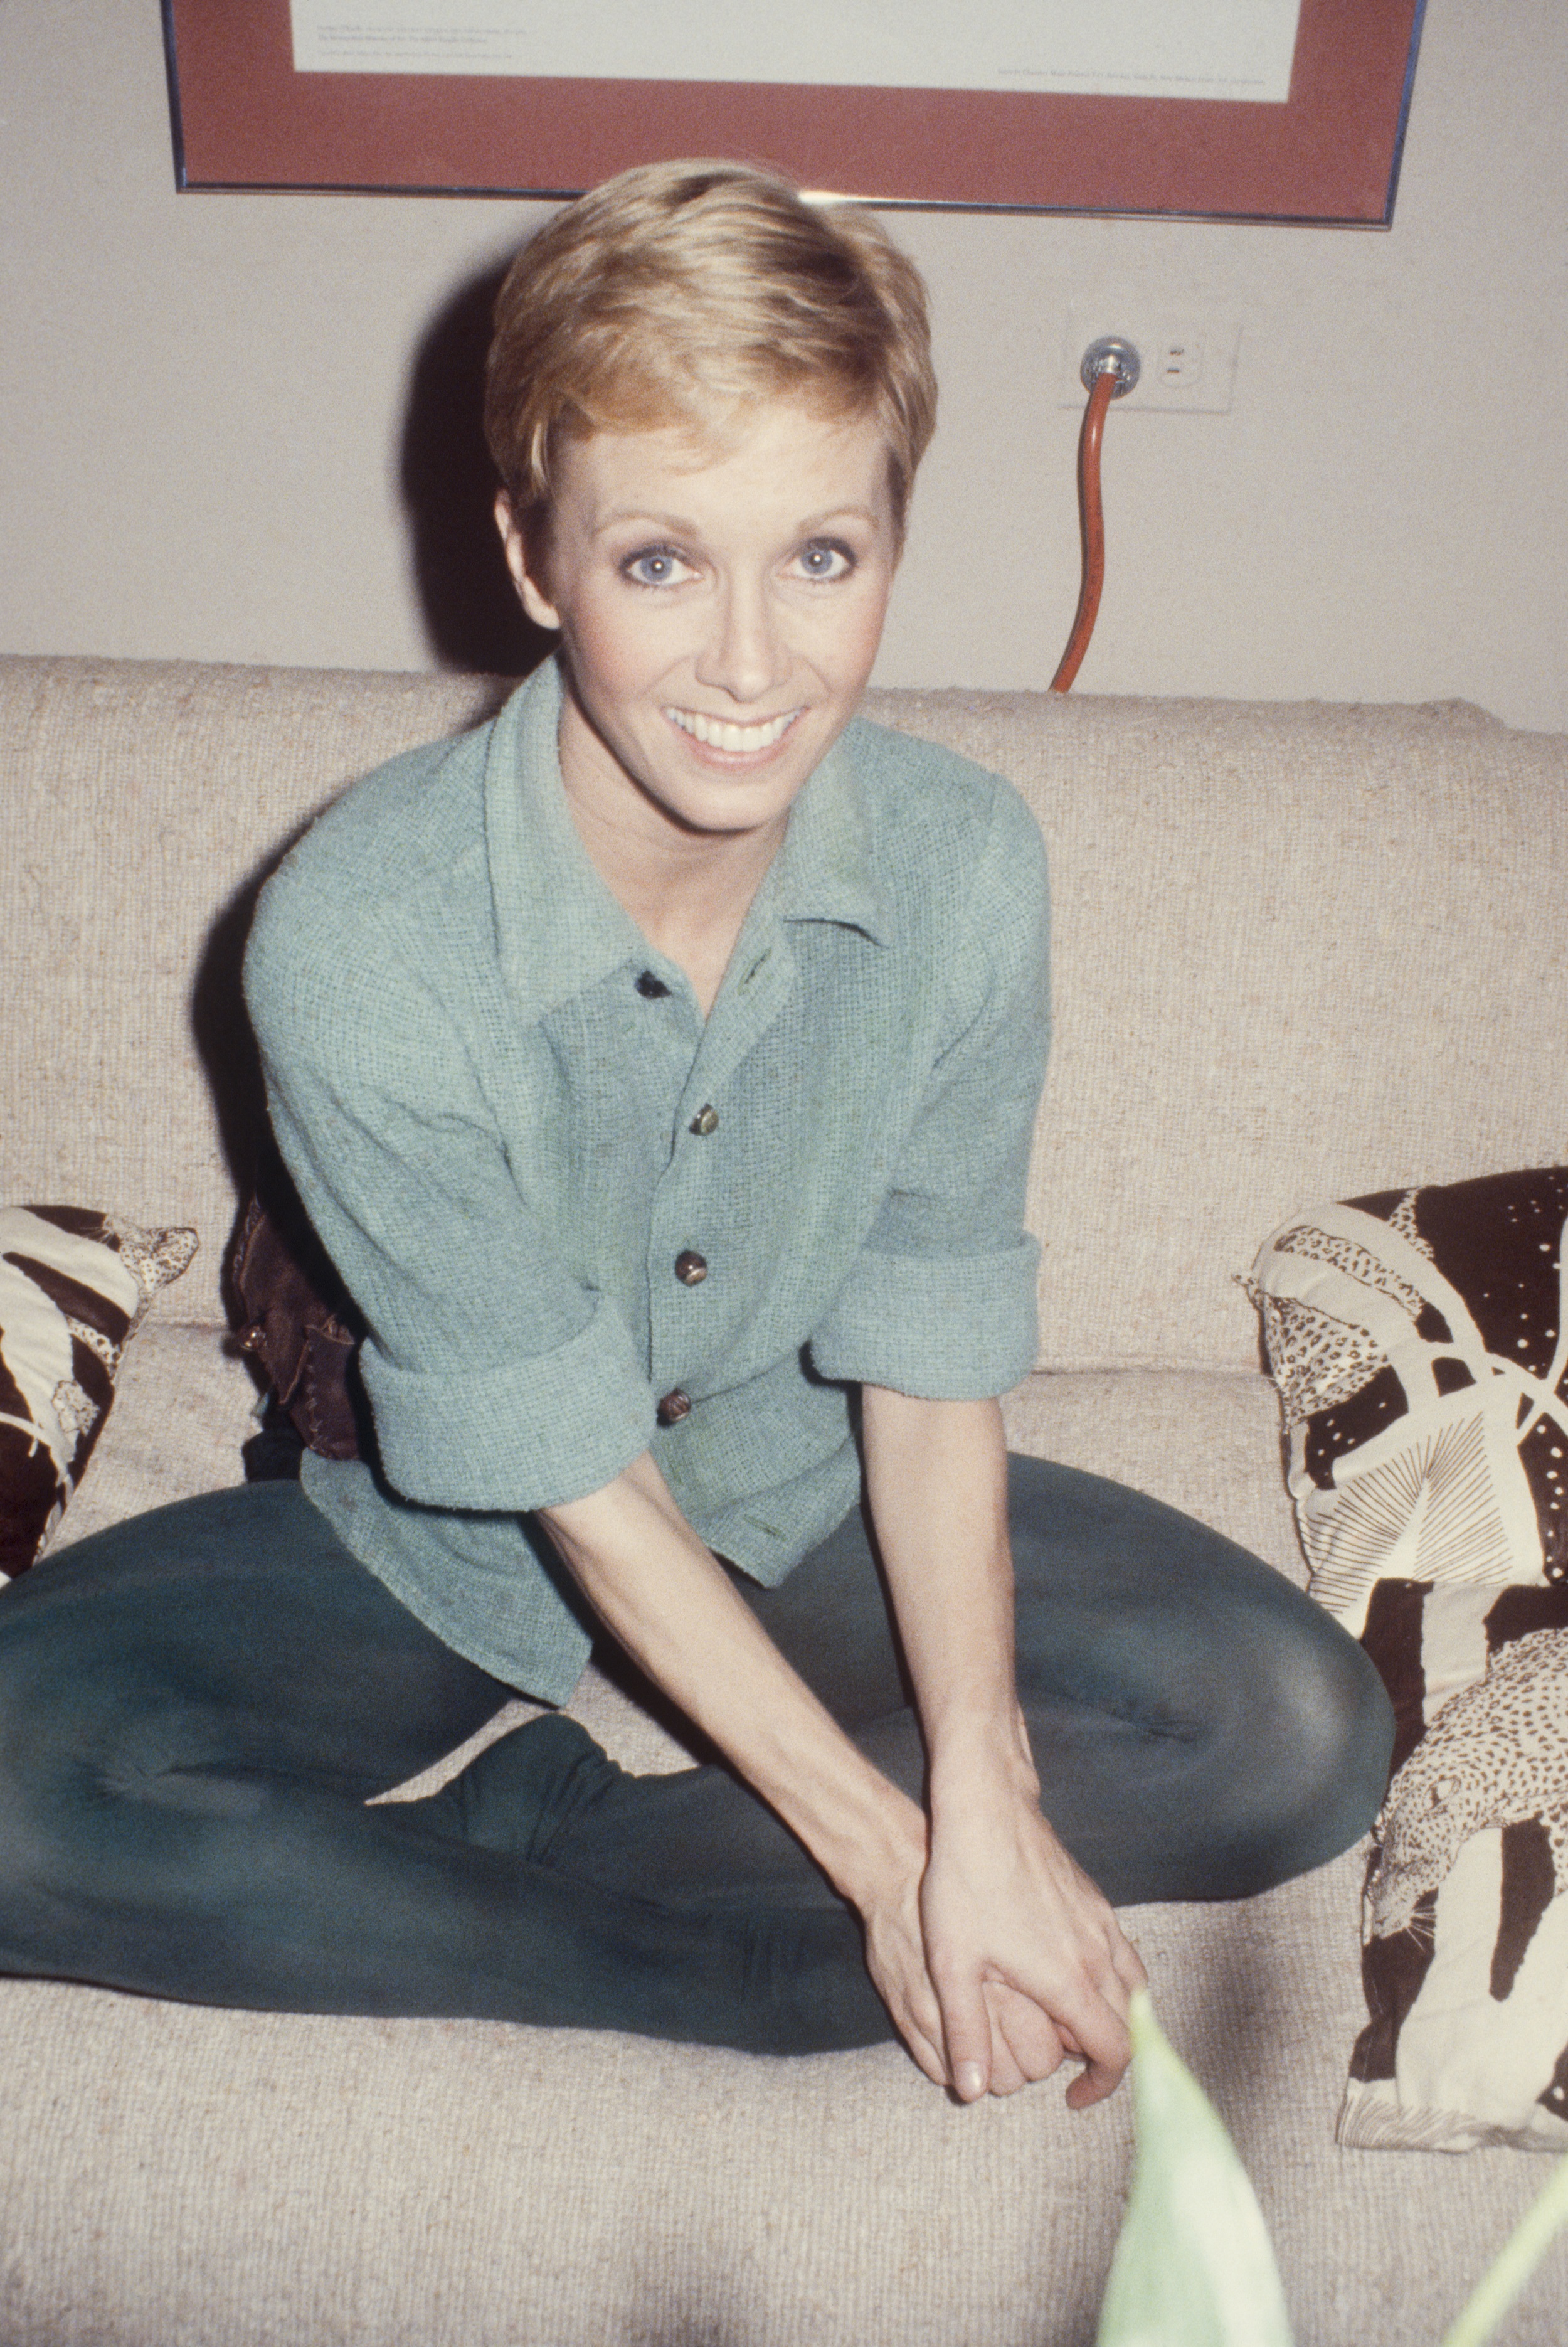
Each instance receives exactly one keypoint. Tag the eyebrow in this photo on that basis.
(680, 528)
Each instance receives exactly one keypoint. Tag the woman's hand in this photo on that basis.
(1026, 1959)
(1022, 1956)
(890, 1911)
(997, 1957)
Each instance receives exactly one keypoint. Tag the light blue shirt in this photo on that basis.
(510, 1122)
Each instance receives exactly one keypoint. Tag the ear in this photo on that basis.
(534, 600)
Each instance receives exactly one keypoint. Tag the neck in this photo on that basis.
(688, 891)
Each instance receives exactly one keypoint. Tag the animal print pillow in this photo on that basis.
(1465, 1930)
(1419, 1342)
(74, 1287)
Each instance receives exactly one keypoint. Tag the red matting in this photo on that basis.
(244, 118)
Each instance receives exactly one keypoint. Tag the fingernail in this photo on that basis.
(971, 2081)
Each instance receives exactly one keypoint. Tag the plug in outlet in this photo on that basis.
(1188, 362)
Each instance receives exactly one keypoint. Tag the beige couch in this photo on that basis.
(1300, 952)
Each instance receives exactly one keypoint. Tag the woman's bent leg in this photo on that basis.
(1202, 1729)
(194, 1710)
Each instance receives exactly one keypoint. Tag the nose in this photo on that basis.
(745, 656)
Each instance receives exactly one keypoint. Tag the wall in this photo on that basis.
(223, 417)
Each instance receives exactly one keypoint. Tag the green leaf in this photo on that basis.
(1506, 2277)
(1194, 2267)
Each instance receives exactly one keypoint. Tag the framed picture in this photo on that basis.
(1220, 109)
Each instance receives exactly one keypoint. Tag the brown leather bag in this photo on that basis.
(299, 1322)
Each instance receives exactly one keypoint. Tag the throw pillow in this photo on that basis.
(1418, 1340)
(1465, 1938)
(74, 1287)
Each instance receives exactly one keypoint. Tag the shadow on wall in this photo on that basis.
(470, 609)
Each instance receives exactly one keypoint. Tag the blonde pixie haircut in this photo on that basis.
(681, 293)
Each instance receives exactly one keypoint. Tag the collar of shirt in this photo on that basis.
(559, 929)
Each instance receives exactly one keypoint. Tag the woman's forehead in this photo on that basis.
(772, 449)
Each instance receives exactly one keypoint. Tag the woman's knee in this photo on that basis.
(1305, 1762)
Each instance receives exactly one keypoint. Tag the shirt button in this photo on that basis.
(690, 1269)
(650, 987)
(706, 1121)
(674, 1406)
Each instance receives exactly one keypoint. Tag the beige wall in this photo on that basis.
(204, 399)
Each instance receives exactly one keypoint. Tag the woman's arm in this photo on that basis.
(655, 1584)
(1027, 1959)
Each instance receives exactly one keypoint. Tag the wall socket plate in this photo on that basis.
(1188, 356)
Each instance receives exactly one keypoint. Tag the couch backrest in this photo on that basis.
(1300, 952)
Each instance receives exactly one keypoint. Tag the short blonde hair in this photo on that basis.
(677, 292)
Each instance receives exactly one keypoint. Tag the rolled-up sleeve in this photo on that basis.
(496, 1380)
(941, 1301)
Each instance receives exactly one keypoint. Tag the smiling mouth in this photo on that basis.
(717, 734)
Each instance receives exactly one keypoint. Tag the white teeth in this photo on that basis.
(718, 735)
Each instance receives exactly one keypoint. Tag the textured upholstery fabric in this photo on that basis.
(1236, 1039)
(1299, 952)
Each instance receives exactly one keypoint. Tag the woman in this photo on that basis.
(658, 1065)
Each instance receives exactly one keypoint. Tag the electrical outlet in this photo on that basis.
(1187, 358)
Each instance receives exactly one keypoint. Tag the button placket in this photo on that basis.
(683, 1195)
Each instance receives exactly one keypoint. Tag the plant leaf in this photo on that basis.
(1192, 2267)
(1515, 2263)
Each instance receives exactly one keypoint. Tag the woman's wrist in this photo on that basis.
(980, 1763)
(875, 1853)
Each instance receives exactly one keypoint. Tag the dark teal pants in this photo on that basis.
(196, 1707)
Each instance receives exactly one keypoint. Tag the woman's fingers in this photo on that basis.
(895, 1958)
(967, 2035)
(1026, 2044)
(1039, 1948)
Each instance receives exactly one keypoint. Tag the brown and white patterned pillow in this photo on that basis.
(1419, 1342)
(1465, 1931)
(74, 1287)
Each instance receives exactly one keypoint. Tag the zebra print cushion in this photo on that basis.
(74, 1285)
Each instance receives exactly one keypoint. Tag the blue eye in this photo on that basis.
(653, 566)
(826, 558)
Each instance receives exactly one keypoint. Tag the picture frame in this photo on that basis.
(243, 119)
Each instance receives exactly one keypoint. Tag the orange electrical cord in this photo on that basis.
(1091, 516)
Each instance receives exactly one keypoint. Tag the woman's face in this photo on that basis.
(719, 614)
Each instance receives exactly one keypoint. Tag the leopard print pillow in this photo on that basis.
(1465, 1927)
(74, 1287)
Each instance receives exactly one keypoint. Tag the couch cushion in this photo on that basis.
(1298, 951)
(172, 2176)
(184, 1408)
